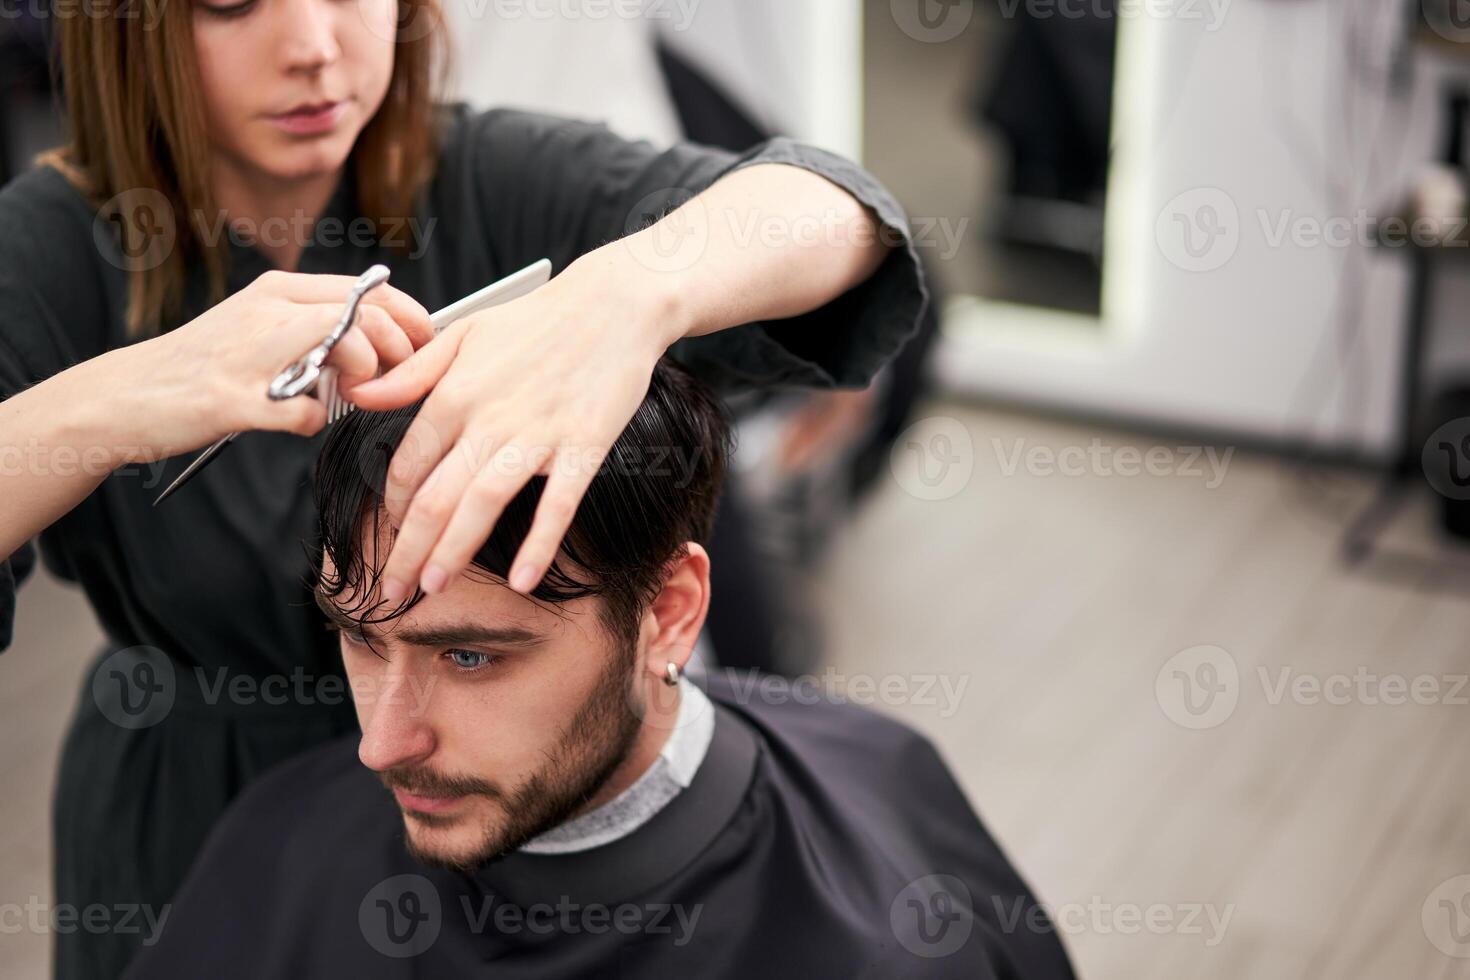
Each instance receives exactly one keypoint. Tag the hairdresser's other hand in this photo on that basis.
(209, 377)
(542, 385)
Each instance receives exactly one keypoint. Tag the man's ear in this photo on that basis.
(678, 611)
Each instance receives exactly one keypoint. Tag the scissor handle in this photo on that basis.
(298, 377)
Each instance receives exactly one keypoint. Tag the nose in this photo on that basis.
(395, 732)
(309, 34)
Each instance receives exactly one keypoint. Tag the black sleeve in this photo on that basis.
(13, 571)
(47, 278)
(559, 188)
(13, 377)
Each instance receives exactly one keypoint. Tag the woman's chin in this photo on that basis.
(300, 165)
(294, 160)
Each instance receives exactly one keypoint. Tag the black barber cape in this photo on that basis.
(815, 841)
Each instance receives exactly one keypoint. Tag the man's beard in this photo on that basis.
(597, 741)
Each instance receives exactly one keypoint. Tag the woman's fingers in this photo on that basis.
(458, 506)
(302, 416)
(431, 509)
(485, 497)
(565, 486)
(313, 288)
(388, 339)
(405, 311)
(354, 358)
(374, 342)
(413, 378)
(425, 444)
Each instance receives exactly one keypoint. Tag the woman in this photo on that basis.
(232, 167)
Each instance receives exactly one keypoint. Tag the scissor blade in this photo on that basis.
(199, 463)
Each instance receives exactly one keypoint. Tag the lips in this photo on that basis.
(311, 118)
(309, 108)
(425, 804)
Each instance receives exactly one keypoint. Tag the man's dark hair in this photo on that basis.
(655, 491)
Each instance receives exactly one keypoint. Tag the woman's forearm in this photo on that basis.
(60, 439)
(767, 242)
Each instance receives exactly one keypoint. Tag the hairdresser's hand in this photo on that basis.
(542, 385)
(209, 377)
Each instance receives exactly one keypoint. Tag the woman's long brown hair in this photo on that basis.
(137, 129)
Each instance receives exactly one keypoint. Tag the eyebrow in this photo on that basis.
(434, 636)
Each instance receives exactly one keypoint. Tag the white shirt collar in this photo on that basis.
(671, 772)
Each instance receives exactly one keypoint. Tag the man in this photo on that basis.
(538, 792)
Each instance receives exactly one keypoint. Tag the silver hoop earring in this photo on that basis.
(672, 674)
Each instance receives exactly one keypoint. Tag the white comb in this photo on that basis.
(513, 286)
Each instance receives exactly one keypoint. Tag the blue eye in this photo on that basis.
(469, 660)
(352, 636)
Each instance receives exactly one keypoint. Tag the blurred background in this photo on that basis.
(1157, 528)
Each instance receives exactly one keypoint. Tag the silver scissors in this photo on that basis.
(297, 378)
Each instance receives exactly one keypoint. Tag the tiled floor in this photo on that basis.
(39, 676)
(1303, 833)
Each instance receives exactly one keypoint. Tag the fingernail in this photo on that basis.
(393, 590)
(434, 579)
(523, 578)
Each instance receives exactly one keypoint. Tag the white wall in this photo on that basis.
(796, 64)
(566, 57)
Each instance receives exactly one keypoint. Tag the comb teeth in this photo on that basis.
(327, 392)
(338, 407)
